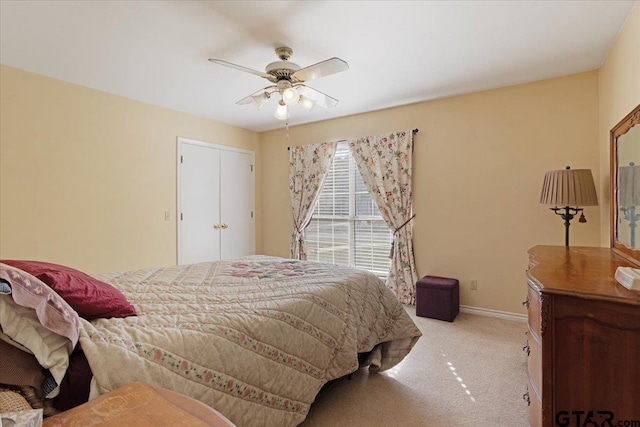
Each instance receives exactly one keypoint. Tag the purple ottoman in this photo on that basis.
(438, 298)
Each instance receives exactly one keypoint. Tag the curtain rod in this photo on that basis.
(416, 130)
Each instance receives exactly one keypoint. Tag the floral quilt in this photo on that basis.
(255, 338)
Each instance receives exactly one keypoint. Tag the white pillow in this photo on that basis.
(22, 325)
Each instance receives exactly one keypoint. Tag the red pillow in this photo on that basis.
(90, 297)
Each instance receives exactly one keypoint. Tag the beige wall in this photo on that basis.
(86, 176)
(619, 93)
(479, 163)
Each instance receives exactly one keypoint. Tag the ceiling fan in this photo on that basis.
(289, 79)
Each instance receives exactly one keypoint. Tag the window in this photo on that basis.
(347, 228)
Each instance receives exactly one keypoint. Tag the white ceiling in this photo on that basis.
(398, 52)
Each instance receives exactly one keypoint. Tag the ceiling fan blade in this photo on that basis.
(322, 99)
(258, 98)
(321, 69)
(245, 69)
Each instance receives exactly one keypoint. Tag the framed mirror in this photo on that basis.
(625, 186)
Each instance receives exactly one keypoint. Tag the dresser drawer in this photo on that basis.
(534, 365)
(534, 410)
(534, 311)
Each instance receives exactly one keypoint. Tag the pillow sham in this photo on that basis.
(53, 312)
(90, 297)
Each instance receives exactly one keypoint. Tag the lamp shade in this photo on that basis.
(282, 112)
(307, 103)
(259, 99)
(569, 187)
(629, 185)
(290, 96)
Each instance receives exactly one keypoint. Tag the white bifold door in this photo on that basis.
(215, 202)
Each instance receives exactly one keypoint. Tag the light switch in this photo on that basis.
(167, 215)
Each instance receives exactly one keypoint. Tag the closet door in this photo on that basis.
(199, 192)
(236, 204)
(215, 202)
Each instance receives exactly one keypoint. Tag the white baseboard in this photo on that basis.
(493, 313)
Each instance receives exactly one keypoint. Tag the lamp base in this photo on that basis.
(568, 214)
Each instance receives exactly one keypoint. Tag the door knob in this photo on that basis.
(217, 226)
(224, 226)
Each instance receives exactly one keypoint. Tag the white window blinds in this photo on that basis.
(347, 228)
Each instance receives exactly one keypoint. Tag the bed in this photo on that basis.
(256, 338)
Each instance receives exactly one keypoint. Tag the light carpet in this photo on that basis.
(471, 372)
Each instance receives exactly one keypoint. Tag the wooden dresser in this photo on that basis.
(584, 339)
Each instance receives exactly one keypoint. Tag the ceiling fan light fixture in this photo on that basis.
(282, 112)
(288, 78)
(307, 103)
(259, 100)
(290, 96)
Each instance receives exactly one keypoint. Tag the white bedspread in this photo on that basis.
(255, 338)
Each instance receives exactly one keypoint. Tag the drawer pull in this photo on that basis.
(525, 303)
(527, 349)
(526, 398)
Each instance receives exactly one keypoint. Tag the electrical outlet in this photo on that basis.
(473, 284)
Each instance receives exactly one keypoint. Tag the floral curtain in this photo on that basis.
(384, 162)
(308, 167)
